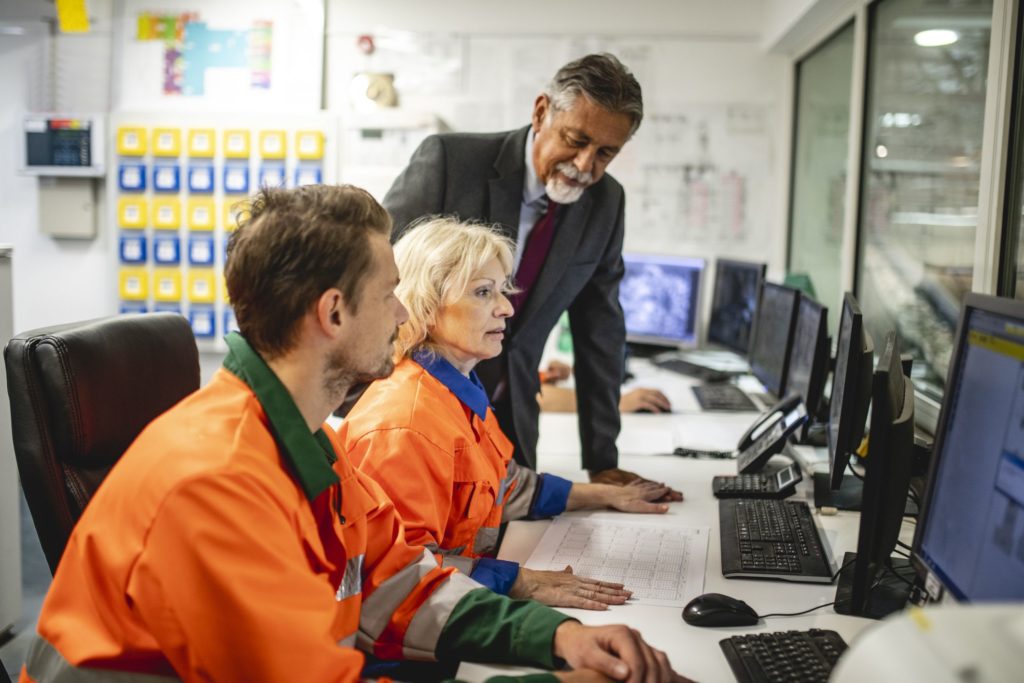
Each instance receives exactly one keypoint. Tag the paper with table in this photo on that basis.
(661, 562)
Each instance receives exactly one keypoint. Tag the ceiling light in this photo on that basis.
(936, 37)
(881, 151)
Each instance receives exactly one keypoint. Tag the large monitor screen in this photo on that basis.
(808, 361)
(734, 303)
(971, 530)
(851, 389)
(773, 336)
(659, 297)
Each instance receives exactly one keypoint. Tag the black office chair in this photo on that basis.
(80, 394)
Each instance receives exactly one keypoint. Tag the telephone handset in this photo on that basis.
(768, 434)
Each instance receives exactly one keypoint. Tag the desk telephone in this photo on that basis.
(768, 434)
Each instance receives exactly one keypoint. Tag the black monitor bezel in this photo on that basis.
(775, 386)
(1010, 308)
(762, 270)
(887, 472)
(850, 423)
(676, 259)
(819, 363)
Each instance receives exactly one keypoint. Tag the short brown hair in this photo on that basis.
(293, 245)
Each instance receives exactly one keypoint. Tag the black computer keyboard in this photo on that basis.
(691, 369)
(784, 656)
(722, 397)
(781, 484)
(771, 539)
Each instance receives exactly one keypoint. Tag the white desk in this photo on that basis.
(693, 651)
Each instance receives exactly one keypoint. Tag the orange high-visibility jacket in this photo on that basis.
(445, 464)
(224, 546)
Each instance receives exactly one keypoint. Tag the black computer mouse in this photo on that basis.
(715, 609)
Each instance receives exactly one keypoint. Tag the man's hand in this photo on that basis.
(636, 496)
(615, 651)
(556, 371)
(565, 589)
(647, 400)
(622, 477)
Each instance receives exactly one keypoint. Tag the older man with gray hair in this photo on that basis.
(545, 187)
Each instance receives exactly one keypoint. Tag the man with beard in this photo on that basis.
(545, 187)
(234, 542)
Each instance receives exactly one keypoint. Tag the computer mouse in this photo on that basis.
(715, 609)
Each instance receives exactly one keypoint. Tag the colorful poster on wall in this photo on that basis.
(186, 55)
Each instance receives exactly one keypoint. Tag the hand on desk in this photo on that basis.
(636, 496)
(643, 400)
(565, 589)
(619, 477)
(617, 652)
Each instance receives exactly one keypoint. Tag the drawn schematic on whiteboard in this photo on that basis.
(663, 565)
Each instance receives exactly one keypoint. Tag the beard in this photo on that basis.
(343, 372)
(562, 192)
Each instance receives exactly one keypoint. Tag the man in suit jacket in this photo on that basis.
(580, 122)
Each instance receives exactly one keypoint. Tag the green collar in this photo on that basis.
(310, 455)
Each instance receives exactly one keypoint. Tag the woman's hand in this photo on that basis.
(565, 589)
(644, 400)
(638, 496)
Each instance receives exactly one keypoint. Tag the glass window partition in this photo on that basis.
(927, 66)
(820, 155)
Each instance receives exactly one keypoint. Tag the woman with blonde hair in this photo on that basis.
(428, 435)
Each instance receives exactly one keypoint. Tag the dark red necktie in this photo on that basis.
(538, 243)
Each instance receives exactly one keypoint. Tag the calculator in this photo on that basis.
(760, 485)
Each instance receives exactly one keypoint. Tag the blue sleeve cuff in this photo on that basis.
(552, 497)
(498, 575)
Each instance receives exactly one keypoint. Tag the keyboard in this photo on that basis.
(778, 485)
(784, 656)
(691, 369)
(771, 539)
(723, 397)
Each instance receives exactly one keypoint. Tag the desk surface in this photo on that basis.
(693, 651)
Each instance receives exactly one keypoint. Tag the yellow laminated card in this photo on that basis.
(166, 142)
(131, 212)
(202, 143)
(233, 212)
(131, 141)
(167, 284)
(273, 144)
(236, 144)
(202, 286)
(72, 16)
(309, 144)
(223, 289)
(166, 214)
(201, 214)
(133, 284)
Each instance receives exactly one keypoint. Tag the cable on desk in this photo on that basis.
(827, 604)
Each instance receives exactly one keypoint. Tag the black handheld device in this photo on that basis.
(768, 434)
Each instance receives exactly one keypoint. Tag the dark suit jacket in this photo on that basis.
(480, 177)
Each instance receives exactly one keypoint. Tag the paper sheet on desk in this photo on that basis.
(662, 563)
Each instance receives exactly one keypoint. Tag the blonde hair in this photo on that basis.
(436, 259)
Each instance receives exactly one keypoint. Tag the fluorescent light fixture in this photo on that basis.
(936, 37)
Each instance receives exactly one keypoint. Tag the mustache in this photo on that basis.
(567, 169)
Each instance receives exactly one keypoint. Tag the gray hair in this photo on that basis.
(603, 79)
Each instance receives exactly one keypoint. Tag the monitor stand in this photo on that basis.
(888, 594)
(848, 496)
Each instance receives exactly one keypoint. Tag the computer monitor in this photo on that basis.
(970, 532)
(808, 360)
(660, 298)
(773, 336)
(851, 391)
(734, 303)
(874, 584)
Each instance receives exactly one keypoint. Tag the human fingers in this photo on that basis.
(582, 676)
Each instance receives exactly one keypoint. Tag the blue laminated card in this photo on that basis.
(131, 177)
(230, 324)
(203, 321)
(307, 175)
(167, 308)
(133, 307)
(200, 250)
(236, 179)
(166, 177)
(200, 179)
(272, 175)
(167, 249)
(132, 247)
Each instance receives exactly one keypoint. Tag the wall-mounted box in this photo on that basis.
(63, 145)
